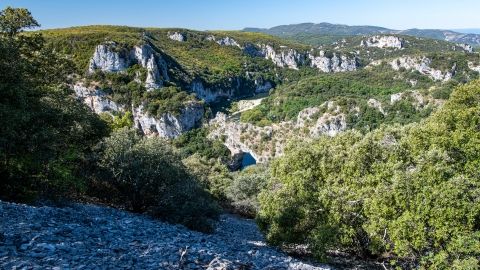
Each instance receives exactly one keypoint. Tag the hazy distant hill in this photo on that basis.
(328, 29)
(468, 30)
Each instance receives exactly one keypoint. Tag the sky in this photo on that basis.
(237, 14)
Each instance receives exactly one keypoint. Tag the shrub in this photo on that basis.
(244, 189)
(211, 173)
(411, 191)
(152, 179)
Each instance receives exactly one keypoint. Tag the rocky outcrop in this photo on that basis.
(154, 63)
(265, 143)
(177, 36)
(417, 99)
(329, 123)
(383, 42)
(377, 105)
(209, 94)
(474, 67)
(106, 59)
(210, 38)
(422, 65)
(291, 58)
(284, 58)
(466, 47)
(228, 41)
(96, 99)
(109, 58)
(332, 64)
(262, 86)
(169, 125)
(92, 237)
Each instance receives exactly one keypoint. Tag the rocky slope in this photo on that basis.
(110, 57)
(93, 237)
(265, 143)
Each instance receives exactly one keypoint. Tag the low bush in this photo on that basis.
(151, 178)
(244, 189)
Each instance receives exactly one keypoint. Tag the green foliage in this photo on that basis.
(45, 133)
(244, 189)
(117, 121)
(212, 174)
(410, 191)
(152, 178)
(351, 89)
(15, 20)
(167, 99)
(196, 141)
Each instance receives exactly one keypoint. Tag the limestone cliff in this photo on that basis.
(474, 67)
(109, 57)
(293, 59)
(334, 63)
(96, 99)
(383, 42)
(228, 41)
(169, 125)
(106, 59)
(422, 65)
(177, 36)
(265, 143)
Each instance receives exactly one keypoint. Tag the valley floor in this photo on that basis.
(94, 237)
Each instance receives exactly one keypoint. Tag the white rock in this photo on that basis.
(383, 42)
(228, 41)
(333, 64)
(466, 47)
(285, 58)
(95, 99)
(169, 125)
(422, 65)
(376, 104)
(208, 94)
(106, 59)
(177, 36)
(473, 67)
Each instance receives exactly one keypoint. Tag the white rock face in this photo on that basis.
(422, 65)
(155, 65)
(383, 42)
(168, 125)
(376, 104)
(228, 41)
(265, 143)
(210, 38)
(417, 99)
(333, 64)
(107, 60)
(290, 58)
(285, 58)
(473, 67)
(329, 123)
(96, 99)
(207, 94)
(466, 47)
(262, 86)
(177, 36)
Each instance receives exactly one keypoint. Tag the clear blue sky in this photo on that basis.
(237, 14)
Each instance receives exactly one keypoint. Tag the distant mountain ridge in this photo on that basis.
(329, 29)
